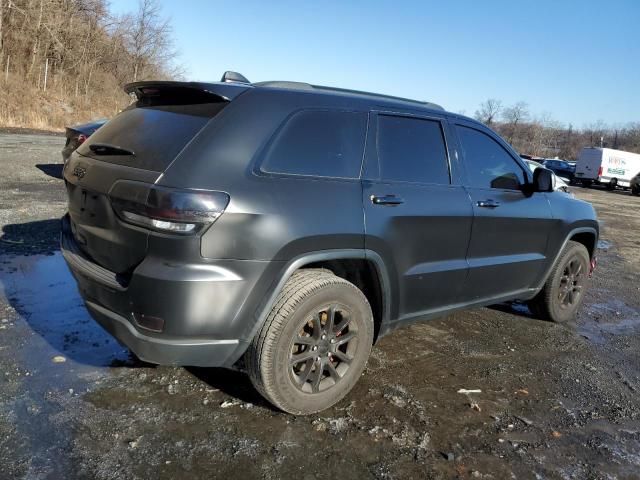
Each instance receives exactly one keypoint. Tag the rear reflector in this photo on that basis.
(155, 324)
(600, 171)
(167, 209)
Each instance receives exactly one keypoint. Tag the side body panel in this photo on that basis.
(269, 217)
(508, 249)
(423, 240)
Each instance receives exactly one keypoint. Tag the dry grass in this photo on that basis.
(25, 106)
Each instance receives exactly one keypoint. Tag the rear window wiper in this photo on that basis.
(106, 149)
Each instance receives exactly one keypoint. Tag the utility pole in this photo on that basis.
(46, 71)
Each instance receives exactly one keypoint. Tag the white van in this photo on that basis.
(606, 166)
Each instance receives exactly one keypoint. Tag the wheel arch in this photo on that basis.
(587, 236)
(363, 268)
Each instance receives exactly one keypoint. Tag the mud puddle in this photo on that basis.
(604, 244)
(60, 352)
(44, 294)
(609, 320)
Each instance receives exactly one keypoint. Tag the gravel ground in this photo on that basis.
(554, 402)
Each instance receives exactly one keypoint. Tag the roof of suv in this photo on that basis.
(342, 91)
(233, 84)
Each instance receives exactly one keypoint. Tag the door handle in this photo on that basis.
(386, 200)
(488, 203)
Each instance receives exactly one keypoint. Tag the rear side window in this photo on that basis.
(318, 143)
(155, 134)
(412, 150)
(487, 163)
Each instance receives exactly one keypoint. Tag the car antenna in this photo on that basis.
(233, 77)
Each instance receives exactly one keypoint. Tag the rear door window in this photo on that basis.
(319, 143)
(412, 150)
(487, 163)
(155, 134)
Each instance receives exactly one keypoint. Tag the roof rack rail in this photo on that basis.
(379, 95)
(285, 84)
(308, 86)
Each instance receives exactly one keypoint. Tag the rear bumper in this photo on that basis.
(192, 352)
(207, 309)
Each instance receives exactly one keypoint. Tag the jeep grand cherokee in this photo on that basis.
(284, 226)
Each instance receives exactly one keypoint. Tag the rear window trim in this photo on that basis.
(262, 155)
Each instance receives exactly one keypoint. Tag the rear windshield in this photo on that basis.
(155, 134)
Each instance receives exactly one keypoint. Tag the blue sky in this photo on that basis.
(578, 61)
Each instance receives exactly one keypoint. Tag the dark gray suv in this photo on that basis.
(283, 227)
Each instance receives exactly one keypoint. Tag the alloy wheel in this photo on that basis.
(323, 349)
(571, 283)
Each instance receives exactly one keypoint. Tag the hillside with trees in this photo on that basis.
(545, 137)
(65, 61)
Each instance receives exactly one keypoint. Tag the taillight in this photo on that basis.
(167, 209)
(600, 171)
(81, 139)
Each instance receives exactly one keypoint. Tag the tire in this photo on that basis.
(635, 190)
(586, 183)
(613, 183)
(555, 302)
(327, 368)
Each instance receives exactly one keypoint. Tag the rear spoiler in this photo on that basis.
(157, 88)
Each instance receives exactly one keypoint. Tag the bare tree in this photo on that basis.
(513, 116)
(516, 113)
(545, 137)
(149, 40)
(1, 32)
(87, 54)
(488, 111)
(596, 132)
(36, 41)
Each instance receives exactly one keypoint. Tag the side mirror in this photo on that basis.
(542, 180)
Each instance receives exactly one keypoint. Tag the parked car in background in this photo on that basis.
(77, 135)
(282, 227)
(559, 185)
(605, 166)
(561, 168)
(635, 184)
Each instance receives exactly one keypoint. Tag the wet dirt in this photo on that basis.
(554, 401)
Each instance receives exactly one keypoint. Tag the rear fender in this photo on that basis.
(263, 309)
